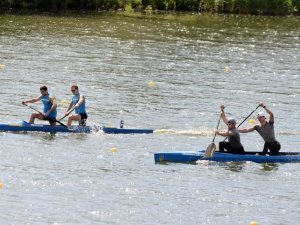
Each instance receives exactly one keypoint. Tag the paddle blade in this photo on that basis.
(210, 151)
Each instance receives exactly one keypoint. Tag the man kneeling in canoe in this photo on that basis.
(77, 103)
(50, 106)
(266, 131)
(233, 145)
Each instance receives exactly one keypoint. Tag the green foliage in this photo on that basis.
(170, 4)
(296, 6)
(276, 7)
(136, 3)
(265, 7)
(188, 5)
(4, 4)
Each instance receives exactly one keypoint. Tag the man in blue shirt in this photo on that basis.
(50, 106)
(77, 103)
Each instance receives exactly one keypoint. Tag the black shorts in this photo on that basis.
(273, 147)
(84, 116)
(51, 120)
(224, 145)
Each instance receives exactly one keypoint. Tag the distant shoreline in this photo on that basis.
(65, 7)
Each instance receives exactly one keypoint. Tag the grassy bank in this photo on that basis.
(254, 7)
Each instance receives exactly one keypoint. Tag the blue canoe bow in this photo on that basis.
(23, 126)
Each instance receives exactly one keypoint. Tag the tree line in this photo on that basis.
(256, 7)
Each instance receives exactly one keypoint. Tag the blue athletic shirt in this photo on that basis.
(47, 105)
(81, 108)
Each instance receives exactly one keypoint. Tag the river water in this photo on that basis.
(163, 72)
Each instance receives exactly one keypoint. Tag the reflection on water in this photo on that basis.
(234, 166)
(38, 135)
(239, 166)
(269, 166)
(48, 137)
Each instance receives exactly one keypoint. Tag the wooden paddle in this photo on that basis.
(46, 118)
(210, 150)
(248, 116)
(68, 113)
(245, 119)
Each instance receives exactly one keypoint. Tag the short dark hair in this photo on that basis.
(43, 88)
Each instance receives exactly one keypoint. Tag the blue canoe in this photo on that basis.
(193, 156)
(25, 127)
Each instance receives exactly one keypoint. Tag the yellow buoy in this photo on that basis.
(252, 121)
(63, 102)
(253, 223)
(227, 69)
(1, 185)
(114, 149)
(2, 66)
(151, 84)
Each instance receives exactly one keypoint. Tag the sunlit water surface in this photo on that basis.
(169, 74)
